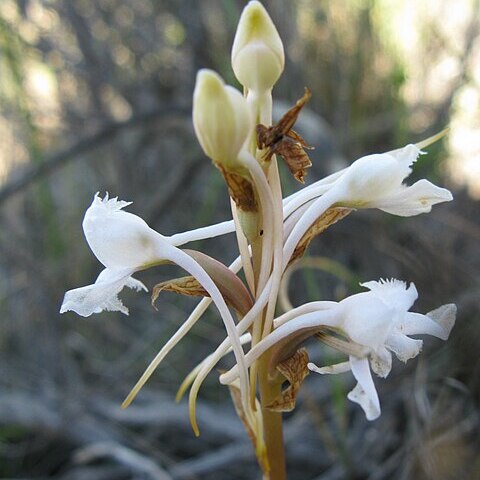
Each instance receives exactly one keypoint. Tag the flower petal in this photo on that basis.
(415, 199)
(364, 393)
(404, 347)
(445, 316)
(136, 285)
(418, 324)
(370, 179)
(120, 239)
(393, 292)
(330, 369)
(367, 319)
(407, 155)
(102, 295)
(381, 362)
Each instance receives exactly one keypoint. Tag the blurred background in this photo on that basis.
(95, 95)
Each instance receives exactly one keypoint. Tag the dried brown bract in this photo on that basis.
(240, 189)
(294, 369)
(328, 218)
(280, 139)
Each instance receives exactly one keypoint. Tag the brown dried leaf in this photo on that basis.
(298, 138)
(294, 369)
(240, 189)
(183, 285)
(330, 217)
(295, 157)
(267, 136)
(282, 140)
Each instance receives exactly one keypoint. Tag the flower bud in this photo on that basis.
(222, 119)
(257, 53)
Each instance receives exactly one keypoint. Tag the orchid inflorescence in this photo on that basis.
(236, 131)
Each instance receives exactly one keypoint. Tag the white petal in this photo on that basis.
(393, 292)
(404, 348)
(330, 369)
(367, 320)
(381, 362)
(110, 204)
(120, 239)
(364, 393)
(445, 316)
(370, 179)
(100, 296)
(414, 200)
(418, 324)
(136, 285)
(258, 57)
(407, 155)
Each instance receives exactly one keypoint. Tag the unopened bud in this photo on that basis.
(222, 119)
(257, 53)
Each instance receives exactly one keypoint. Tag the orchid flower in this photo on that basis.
(125, 244)
(376, 323)
(374, 181)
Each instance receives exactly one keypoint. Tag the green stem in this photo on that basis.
(272, 422)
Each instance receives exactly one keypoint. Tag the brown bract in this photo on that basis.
(231, 287)
(280, 139)
(294, 369)
(330, 217)
(240, 189)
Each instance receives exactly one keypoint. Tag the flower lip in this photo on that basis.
(102, 295)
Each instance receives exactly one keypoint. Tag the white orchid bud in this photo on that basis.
(222, 119)
(257, 53)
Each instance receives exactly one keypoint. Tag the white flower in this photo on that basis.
(380, 320)
(257, 53)
(376, 323)
(125, 244)
(374, 181)
(221, 117)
